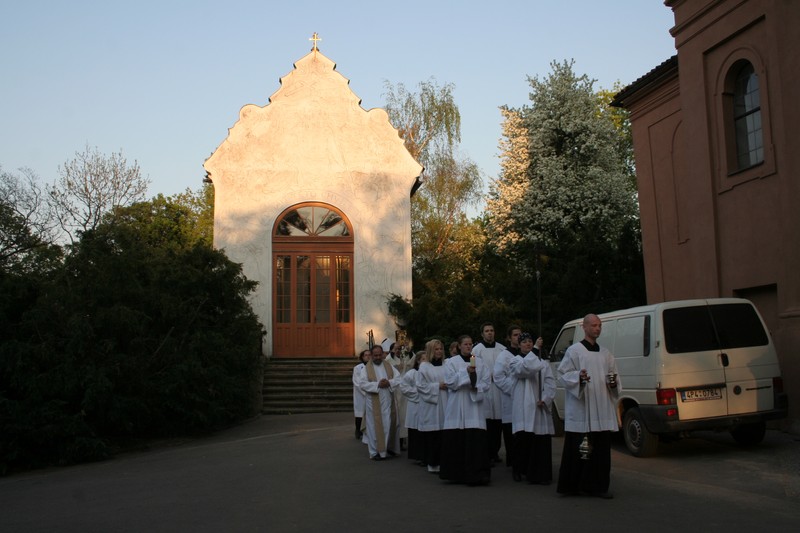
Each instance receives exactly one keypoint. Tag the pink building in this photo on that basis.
(719, 179)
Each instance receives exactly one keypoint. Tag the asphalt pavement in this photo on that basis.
(308, 473)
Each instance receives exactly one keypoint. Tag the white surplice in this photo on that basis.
(533, 381)
(595, 395)
(464, 403)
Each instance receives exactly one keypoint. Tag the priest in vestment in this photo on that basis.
(378, 380)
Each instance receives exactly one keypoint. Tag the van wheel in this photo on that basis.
(558, 424)
(749, 434)
(638, 439)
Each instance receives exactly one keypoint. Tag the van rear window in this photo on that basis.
(717, 327)
(738, 326)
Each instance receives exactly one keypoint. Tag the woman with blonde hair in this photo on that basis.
(465, 445)
(433, 398)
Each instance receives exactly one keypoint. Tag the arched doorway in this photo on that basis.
(312, 284)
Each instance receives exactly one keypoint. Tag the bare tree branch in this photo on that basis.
(92, 185)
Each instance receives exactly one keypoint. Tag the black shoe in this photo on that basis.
(376, 457)
(391, 453)
(604, 495)
(517, 476)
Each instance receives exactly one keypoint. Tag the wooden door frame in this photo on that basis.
(313, 245)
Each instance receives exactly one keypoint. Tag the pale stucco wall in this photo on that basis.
(314, 142)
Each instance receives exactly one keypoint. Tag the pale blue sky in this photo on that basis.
(164, 80)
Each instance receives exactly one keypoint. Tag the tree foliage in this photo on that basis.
(200, 205)
(430, 124)
(564, 204)
(143, 331)
(445, 243)
(92, 185)
(26, 229)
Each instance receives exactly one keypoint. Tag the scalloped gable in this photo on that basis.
(316, 122)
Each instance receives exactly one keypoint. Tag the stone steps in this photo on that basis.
(308, 385)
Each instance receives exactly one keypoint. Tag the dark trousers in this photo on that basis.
(533, 457)
(592, 475)
(464, 458)
(431, 447)
(508, 440)
(415, 447)
(494, 432)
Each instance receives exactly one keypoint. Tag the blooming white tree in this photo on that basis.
(564, 205)
(562, 179)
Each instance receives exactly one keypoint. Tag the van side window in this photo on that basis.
(633, 337)
(738, 326)
(608, 335)
(564, 341)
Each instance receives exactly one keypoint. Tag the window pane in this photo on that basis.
(632, 337)
(738, 326)
(303, 289)
(689, 329)
(747, 118)
(563, 342)
(323, 289)
(283, 278)
(309, 220)
(295, 223)
(342, 289)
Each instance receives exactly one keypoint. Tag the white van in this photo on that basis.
(686, 365)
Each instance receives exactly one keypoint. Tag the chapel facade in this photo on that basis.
(714, 133)
(313, 198)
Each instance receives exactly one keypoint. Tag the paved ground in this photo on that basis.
(308, 473)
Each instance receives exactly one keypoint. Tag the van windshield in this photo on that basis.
(715, 327)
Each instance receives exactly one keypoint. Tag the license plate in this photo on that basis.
(697, 395)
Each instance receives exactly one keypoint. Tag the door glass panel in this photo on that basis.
(323, 289)
(283, 282)
(303, 289)
(342, 289)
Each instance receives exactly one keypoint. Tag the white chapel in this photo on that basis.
(313, 197)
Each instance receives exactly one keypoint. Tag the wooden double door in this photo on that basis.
(312, 284)
(313, 304)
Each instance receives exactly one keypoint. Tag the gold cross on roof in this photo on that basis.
(316, 39)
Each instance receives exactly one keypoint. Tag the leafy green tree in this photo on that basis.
(445, 243)
(90, 186)
(564, 205)
(145, 331)
(430, 124)
(201, 205)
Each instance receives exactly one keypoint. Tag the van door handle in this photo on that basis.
(724, 357)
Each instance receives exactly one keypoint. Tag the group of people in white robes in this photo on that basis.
(458, 407)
